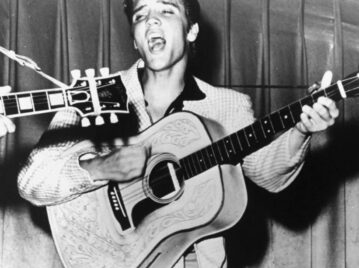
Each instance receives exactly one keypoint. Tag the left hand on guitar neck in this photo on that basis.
(323, 113)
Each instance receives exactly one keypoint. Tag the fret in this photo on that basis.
(206, 160)
(10, 105)
(218, 152)
(250, 135)
(180, 173)
(267, 126)
(188, 167)
(286, 116)
(191, 165)
(259, 131)
(201, 162)
(186, 172)
(318, 94)
(223, 149)
(230, 150)
(40, 101)
(276, 121)
(296, 110)
(307, 101)
(193, 161)
(243, 140)
(211, 156)
(236, 143)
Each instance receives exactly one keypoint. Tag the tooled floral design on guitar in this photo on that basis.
(181, 133)
(82, 237)
(202, 202)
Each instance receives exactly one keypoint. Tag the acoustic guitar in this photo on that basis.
(192, 189)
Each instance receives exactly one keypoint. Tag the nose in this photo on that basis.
(153, 19)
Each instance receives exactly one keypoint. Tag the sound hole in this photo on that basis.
(165, 182)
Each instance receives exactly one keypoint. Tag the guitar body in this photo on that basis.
(87, 233)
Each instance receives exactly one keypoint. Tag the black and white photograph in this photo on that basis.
(179, 133)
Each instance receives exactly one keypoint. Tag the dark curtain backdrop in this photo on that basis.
(313, 223)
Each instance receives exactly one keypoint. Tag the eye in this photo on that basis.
(167, 11)
(138, 17)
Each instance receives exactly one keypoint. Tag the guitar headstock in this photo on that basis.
(342, 89)
(93, 96)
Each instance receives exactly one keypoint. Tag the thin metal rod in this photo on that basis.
(267, 86)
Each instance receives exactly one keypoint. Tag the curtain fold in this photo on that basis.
(314, 223)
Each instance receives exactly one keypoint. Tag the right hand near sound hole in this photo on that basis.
(123, 164)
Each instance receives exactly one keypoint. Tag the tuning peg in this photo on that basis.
(113, 118)
(105, 71)
(99, 120)
(5, 90)
(90, 72)
(76, 74)
(85, 122)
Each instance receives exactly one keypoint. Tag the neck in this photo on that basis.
(162, 87)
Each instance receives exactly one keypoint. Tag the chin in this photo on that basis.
(158, 65)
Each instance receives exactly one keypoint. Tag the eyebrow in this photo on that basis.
(137, 9)
(165, 2)
(169, 2)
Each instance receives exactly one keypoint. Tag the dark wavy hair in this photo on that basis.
(192, 10)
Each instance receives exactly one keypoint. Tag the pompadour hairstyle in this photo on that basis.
(192, 9)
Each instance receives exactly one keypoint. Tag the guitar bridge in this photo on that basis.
(118, 208)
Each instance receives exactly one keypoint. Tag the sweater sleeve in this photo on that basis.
(271, 167)
(50, 174)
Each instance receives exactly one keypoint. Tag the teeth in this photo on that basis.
(156, 40)
(155, 35)
(156, 43)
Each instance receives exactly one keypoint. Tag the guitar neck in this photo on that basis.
(233, 148)
(32, 102)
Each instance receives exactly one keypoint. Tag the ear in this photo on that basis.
(193, 33)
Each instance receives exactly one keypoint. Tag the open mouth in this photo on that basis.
(156, 42)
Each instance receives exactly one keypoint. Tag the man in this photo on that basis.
(157, 85)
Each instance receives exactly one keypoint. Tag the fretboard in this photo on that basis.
(233, 148)
(32, 102)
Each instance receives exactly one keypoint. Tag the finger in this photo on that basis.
(305, 124)
(5, 90)
(135, 151)
(301, 128)
(134, 173)
(312, 115)
(3, 129)
(10, 126)
(330, 105)
(322, 111)
(326, 79)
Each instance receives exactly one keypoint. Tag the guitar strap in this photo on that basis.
(29, 63)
